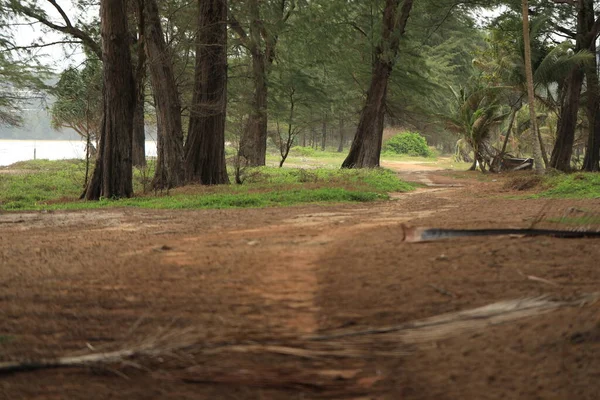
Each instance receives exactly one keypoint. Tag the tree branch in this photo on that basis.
(68, 29)
(40, 45)
(237, 28)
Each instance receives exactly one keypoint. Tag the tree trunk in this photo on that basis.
(253, 144)
(170, 158)
(139, 134)
(567, 122)
(341, 144)
(565, 132)
(537, 152)
(366, 146)
(205, 146)
(138, 153)
(591, 161)
(324, 134)
(112, 177)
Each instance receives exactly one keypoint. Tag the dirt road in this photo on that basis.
(225, 295)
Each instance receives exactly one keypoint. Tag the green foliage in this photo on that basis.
(79, 99)
(410, 143)
(302, 151)
(572, 186)
(44, 184)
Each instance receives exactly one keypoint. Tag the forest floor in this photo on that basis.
(223, 301)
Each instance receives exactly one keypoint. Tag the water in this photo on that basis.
(12, 151)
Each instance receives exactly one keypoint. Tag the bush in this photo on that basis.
(300, 151)
(409, 143)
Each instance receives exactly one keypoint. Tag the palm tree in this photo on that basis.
(476, 110)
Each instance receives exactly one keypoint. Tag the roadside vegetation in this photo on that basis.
(43, 184)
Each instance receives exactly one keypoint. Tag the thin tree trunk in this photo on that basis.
(511, 122)
(205, 146)
(138, 153)
(341, 144)
(366, 146)
(170, 158)
(324, 134)
(537, 152)
(112, 177)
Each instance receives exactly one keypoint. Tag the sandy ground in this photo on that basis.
(223, 298)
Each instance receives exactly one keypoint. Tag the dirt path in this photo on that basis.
(101, 280)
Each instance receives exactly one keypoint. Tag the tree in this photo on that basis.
(78, 100)
(366, 146)
(112, 177)
(475, 111)
(170, 160)
(205, 146)
(86, 35)
(537, 152)
(260, 39)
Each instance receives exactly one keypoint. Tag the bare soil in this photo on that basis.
(88, 281)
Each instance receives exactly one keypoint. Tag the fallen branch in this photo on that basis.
(413, 234)
(447, 325)
(321, 346)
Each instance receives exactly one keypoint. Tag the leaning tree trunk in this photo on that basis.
(205, 146)
(112, 177)
(366, 146)
(170, 157)
(537, 151)
(253, 144)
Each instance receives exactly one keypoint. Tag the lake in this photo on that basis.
(12, 151)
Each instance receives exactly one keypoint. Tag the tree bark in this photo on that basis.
(205, 146)
(341, 144)
(139, 134)
(324, 133)
(170, 157)
(591, 161)
(253, 144)
(537, 152)
(112, 177)
(366, 146)
(565, 132)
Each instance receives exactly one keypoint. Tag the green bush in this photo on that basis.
(410, 143)
(300, 151)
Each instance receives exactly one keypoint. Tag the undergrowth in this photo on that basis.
(571, 186)
(46, 184)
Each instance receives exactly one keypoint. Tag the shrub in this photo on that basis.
(300, 151)
(409, 143)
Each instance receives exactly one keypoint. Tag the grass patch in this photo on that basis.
(57, 185)
(572, 186)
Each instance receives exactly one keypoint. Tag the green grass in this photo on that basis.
(333, 159)
(572, 186)
(57, 184)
